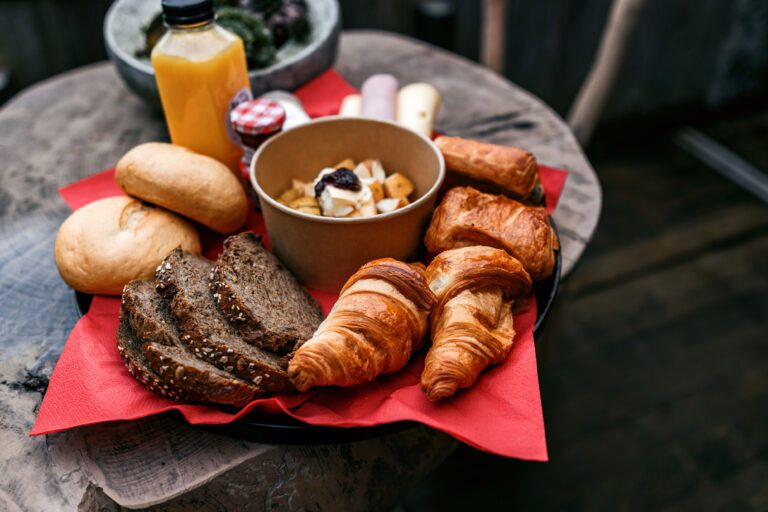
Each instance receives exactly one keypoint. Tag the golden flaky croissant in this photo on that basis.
(380, 319)
(468, 217)
(472, 325)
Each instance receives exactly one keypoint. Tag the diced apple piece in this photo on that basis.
(347, 163)
(387, 205)
(377, 189)
(290, 195)
(397, 185)
(307, 188)
(367, 209)
(309, 210)
(377, 171)
(362, 171)
(298, 185)
(371, 169)
(304, 202)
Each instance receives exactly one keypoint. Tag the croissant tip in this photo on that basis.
(300, 380)
(437, 392)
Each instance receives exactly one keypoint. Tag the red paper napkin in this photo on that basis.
(501, 414)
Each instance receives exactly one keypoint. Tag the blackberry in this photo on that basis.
(340, 178)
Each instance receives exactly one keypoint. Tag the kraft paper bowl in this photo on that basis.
(323, 252)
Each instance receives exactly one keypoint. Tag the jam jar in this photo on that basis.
(255, 121)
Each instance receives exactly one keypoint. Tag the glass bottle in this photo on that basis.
(202, 75)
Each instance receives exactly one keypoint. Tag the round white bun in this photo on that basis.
(107, 243)
(180, 180)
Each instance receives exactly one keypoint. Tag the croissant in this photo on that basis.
(380, 319)
(472, 324)
(468, 217)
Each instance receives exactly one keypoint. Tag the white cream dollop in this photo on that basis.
(337, 202)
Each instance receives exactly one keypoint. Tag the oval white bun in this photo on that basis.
(180, 180)
(107, 243)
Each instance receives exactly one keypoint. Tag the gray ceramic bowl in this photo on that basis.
(296, 63)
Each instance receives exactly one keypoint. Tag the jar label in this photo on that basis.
(240, 96)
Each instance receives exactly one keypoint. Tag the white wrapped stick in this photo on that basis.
(379, 96)
(417, 107)
(351, 106)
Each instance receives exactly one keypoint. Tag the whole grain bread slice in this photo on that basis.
(148, 314)
(261, 298)
(129, 347)
(183, 279)
(147, 318)
(210, 384)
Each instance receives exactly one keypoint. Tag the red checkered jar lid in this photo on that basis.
(257, 117)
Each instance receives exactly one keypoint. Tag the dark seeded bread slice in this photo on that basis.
(129, 347)
(179, 367)
(148, 314)
(148, 318)
(184, 277)
(261, 298)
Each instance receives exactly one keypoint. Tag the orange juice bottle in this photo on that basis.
(202, 75)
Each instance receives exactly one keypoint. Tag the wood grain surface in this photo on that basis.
(81, 122)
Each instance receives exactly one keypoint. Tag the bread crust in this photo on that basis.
(185, 182)
(110, 242)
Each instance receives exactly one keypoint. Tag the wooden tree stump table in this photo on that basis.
(80, 122)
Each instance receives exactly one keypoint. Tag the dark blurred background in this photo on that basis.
(654, 366)
(684, 55)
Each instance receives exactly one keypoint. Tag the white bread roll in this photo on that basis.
(417, 106)
(107, 243)
(185, 182)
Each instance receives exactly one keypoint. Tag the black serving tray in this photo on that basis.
(282, 429)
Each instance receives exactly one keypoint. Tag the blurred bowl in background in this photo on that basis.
(296, 64)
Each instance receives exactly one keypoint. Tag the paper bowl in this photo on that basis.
(323, 252)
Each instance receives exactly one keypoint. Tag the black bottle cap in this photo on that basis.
(187, 12)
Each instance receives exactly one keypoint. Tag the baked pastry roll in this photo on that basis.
(472, 324)
(379, 320)
(513, 170)
(468, 217)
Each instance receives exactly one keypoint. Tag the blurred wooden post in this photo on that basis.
(494, 34)
(591, 99)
